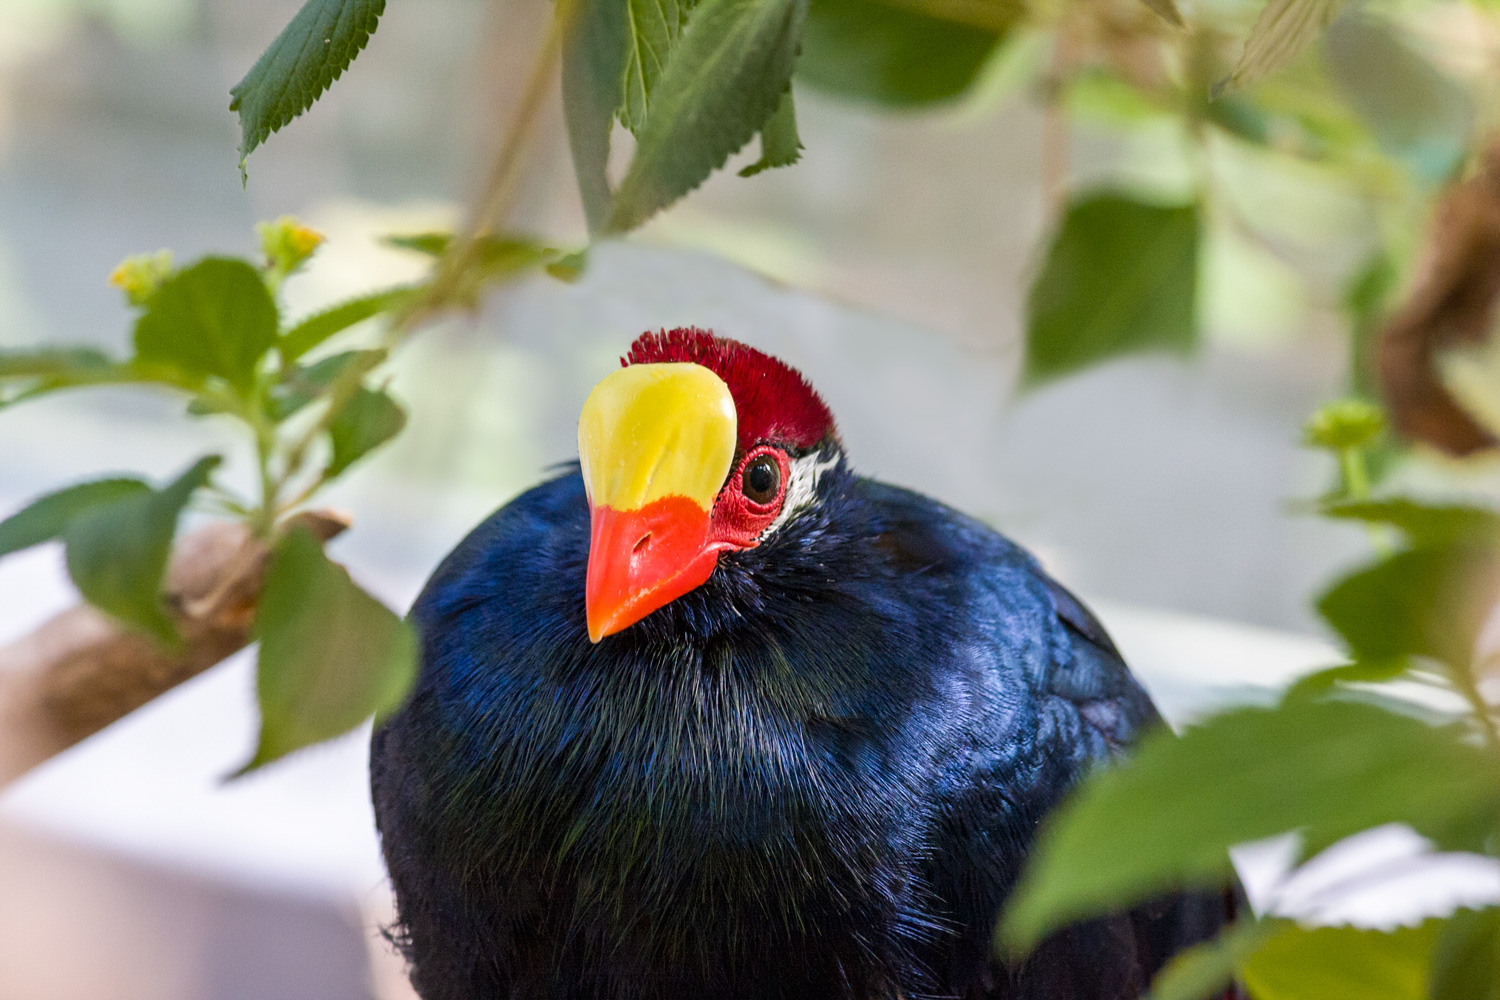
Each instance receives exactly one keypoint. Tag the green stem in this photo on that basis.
(1356, 473)
(1462, 679)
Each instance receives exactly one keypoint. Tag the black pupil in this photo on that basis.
(762, 478)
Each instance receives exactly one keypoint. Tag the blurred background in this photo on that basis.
(890, 266)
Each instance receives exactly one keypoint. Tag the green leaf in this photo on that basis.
(1283, 29)
(214, 318)
(48, 517)
(780, 145)
(593, 66)
(1423, 524)
(367, 421)
(1205, 969)
(569, 267)
(1327, 963)
(1166, 818)
(305, 59)
(1321, 682)
(653, 27)
(117, 552)
(723, 82)
(1121, 276)
(1167, 11)
(302, 384)
(315, 329)
(330, 654)
(887, 54)
(1415, 112)
(1466, 957)
(1422, 602)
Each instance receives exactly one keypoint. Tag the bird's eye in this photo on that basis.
(762, 480)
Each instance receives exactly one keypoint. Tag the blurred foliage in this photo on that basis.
(1384, 111)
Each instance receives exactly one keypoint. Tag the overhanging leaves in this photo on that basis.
(1283, 29)
(886, 54)
(723, 82)
(1120, 276)
(593, 64)
(311, 52)
(214, 318)
(330, 654)
(653, 27)
(117, 552)
(780, 146)
(1167, 818)
(48, 517)
(1423, 524)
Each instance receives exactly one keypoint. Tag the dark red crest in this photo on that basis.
(774, 403)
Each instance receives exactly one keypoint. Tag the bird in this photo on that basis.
(709, 715)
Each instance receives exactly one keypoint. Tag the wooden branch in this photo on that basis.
(82, 670)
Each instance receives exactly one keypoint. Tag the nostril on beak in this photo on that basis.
(645, 540)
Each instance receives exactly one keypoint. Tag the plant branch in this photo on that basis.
(82, 670)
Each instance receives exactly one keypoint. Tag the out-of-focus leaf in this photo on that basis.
(214, 318)
(780, 145)
(594, 54)
(330, 654)
(1428, 601)
(1120, 276)
(117, 552)
(1365, 302)
(303, 384)
(1424, 524)
(1283, 29)
(367, 421)
(1325, 963)
(887, 54)
(1099, 95)
(497, 258)
(1167, 10)
(1415, 112)
(1321, 682)
(1205, 969)
(653, 27)
(311, 52)
(569, 267)
(1167, 817)
(315, 329)
(1466, 957)
(726, 76)
(48, 517)
(1240, 117)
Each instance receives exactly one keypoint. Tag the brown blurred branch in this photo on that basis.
(1452, 304)
(82, 670)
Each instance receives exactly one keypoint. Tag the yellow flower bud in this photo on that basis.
(287, 244)
(140, 276)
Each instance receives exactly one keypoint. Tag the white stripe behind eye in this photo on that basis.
(803, 488)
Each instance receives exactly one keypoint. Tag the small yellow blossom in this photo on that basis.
(139, 276)
(287, 243)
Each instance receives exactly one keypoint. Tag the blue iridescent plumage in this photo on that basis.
(815, 776)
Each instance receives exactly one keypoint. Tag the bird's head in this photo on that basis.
(697, 446)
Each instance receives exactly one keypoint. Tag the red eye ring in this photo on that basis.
(762, 478)
(739, 518)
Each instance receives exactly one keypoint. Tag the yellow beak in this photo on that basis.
(655, 442)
